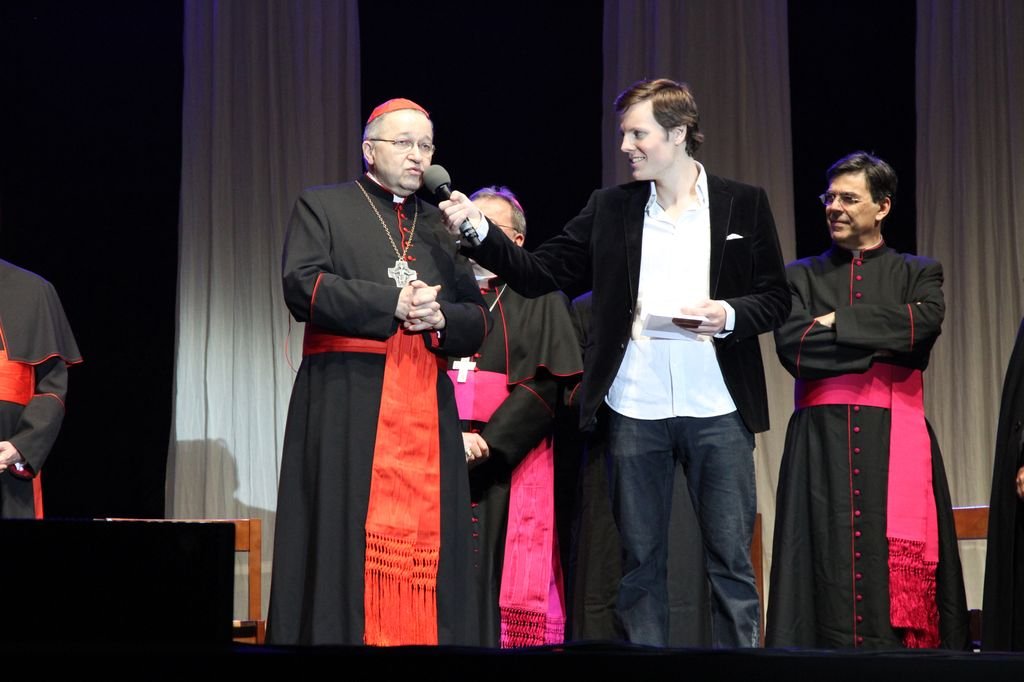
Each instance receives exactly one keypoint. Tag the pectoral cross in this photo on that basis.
(401, 273)
(464, 365)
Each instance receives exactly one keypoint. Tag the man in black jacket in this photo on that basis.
(686, 272)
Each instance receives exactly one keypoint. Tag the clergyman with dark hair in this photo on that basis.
(865, 551)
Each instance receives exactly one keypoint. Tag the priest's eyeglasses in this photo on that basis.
(404, 146)
(846, 199)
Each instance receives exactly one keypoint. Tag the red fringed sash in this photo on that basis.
(403, 518)
(912, 523)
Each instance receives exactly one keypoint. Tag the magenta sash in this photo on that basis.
(911, 520)
(480, 395)
(531, 599)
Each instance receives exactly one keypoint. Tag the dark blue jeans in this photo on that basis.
(717, 454)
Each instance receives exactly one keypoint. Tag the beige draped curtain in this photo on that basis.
(270, 105)
(970, 213)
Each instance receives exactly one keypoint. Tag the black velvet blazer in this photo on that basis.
(600, 249)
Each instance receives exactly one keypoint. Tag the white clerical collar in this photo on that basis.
(858, 252)
(394, 197)
(654, 208)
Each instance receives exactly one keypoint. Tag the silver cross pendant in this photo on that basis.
(401, 273)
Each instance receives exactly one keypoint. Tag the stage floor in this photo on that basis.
(589, 661)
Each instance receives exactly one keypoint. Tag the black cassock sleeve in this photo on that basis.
(898, 328)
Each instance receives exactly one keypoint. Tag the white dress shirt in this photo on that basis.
(662, 378)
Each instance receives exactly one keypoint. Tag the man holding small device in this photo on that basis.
(686, 272)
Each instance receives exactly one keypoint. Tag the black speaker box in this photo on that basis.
(114, 583)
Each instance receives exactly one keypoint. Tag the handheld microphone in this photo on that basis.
(438, 181)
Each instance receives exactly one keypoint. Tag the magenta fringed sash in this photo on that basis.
(531, 598)
(532, 602)
(912, 524)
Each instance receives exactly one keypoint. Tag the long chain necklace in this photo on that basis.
(465, 365)
(498, 297)
(401, 273)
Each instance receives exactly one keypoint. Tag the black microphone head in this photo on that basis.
(436, 177)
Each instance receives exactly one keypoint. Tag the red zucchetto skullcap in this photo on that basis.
(395, 105)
